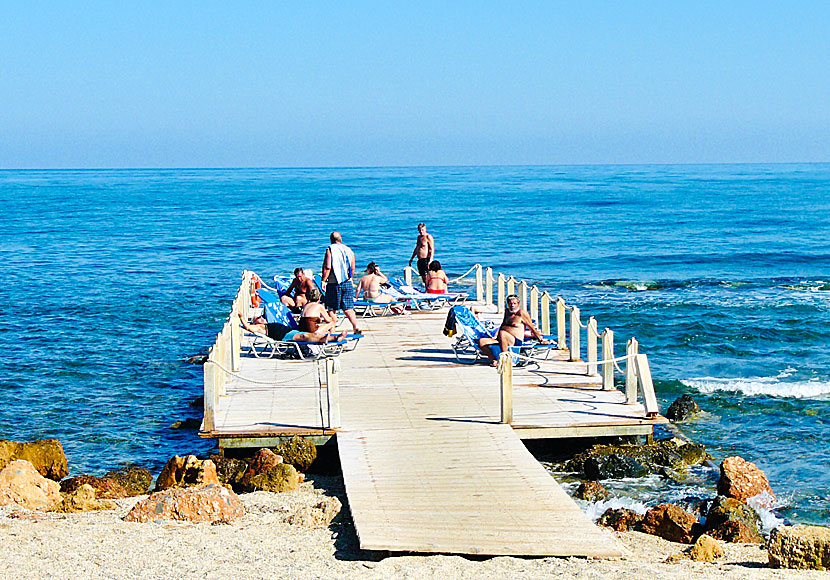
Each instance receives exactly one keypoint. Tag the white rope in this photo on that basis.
(599, 362)
(579, 322)
(462, 276)
(256, 382)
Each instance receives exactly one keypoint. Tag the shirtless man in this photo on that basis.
(512, 330)
(424, 250)
(277, 331)
(301, 287)
(369, 285)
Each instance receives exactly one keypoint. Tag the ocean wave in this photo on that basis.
(763, 386)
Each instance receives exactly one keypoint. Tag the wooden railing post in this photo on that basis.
(607, 356)
(333, 392)
(479, 284)
(209, 373)
(511, 285)
(575, 334)
(521, 290)
(407, 275)
(545, 306)
(632, 348)
(500, 294)
(646, 385)
(506, 383)
(534, 304)
(560, 323)
(591, 335)
(488, 286)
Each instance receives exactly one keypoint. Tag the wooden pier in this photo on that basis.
(430, 448)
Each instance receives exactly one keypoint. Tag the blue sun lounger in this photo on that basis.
(433, 301)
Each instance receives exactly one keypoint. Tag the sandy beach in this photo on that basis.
(262, 544)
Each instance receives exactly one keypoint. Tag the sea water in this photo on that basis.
(111, 279)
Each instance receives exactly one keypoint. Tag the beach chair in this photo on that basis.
(428, 301)
(263, 346)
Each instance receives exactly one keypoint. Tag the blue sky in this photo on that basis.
(254, 84)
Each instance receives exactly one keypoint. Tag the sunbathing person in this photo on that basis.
(277, 331)
(301, 291)
(369, 285)
(512, 329)
(316, 318)
(436, 280)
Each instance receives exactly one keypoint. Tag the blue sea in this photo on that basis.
(112, 279)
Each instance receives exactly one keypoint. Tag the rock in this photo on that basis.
(683, 408)
(613, 467)
(277, 478)
(105, 487)
(262, 461)
(298, 451)
(45, 454)
(189, 423)
(82, 499)
(742, 480)
(197, 359)
(692, 453)
(197, 403)
(672, 523)
(317, 516)
(591, 491)
(134, 479)
(203, 503)
(21, 484)
(185, 471)
(620, 520)
(804, 547)
(230, 471)
(731, 520)
(706, 549)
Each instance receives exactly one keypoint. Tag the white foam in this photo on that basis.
(596, 509)
(762, 386)
(763, 504)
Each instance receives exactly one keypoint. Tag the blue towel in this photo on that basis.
(274, 310)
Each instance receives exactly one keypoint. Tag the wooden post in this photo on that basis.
(500, 294)
(479, 284)
(545, 305)
(591, 345)
(333, 392)
(506, 382)
(511, 285)
(488, 286)
(646, 385)
(575, 334)
(534, 304)
(560, 323)
(607, 355)
(521, 290)
(407, 275)
(209, 404)
(631, 349)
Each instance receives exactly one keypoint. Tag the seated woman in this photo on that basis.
(316, 318)
(369, 286)
(436, 279)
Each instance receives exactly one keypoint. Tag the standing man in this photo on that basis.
(338, 269)
(425, 250)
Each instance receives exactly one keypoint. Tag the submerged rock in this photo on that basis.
(298, 451)
(621, 519)
(134, 479)
(742, 480)
(203, 503)
(804, 547)
(186, 471)
(189, 423)
(613, 466)
(668, 456)
(83, 499)
(731, 520)
(104, 487)
(46, 455)
(683, 408)
(23, 485)
(672, 523)
(591, 491)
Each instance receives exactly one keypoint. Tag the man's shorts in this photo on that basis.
(340, 296)
(423, 267)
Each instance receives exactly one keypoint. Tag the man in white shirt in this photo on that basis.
(338, 269)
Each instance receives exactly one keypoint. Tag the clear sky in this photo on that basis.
(262, 84)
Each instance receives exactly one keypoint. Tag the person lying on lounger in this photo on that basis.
(277, 331)
(369, 286)
(512, 329)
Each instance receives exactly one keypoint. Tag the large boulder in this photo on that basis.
(83, 499)
(104, 487)
(683, 408)
(731, 520)
(186, 471)
(134, 479)
(21, 484)
(230, 471)
(591, 491)
(298, 452)
(616, 461)
(742, 480)
(203, 503)
(805, 547)
(45, 454)
(671, 522)
(267, 472)
(621, 519)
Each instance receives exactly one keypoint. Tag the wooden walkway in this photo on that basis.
(427, 465)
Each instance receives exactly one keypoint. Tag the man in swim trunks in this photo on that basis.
(512, 330)
(301, 291)
(338, 269)
(424, 250)
(277, 331)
